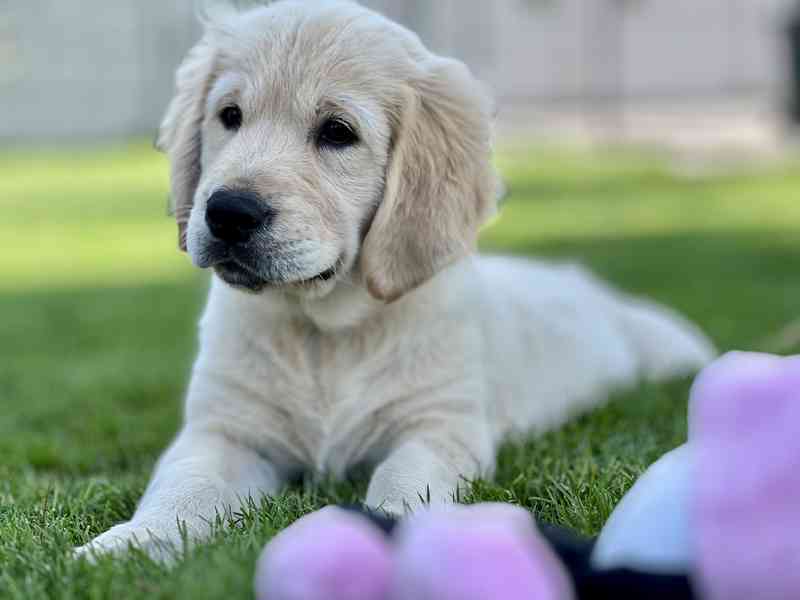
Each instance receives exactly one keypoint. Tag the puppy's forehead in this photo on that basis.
(293, 54)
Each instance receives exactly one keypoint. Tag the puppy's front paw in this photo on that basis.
(159, 544)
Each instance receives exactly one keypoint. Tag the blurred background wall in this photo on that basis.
(100, 68)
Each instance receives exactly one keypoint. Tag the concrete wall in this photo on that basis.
(92, 68)
(98, 68)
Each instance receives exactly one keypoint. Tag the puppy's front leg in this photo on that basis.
(430, 468)
(202, 475)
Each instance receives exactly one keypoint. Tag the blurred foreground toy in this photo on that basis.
(456, 553)
(718, 519)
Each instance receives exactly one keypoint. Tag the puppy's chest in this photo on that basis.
(334, 401)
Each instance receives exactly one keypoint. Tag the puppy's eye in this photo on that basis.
(336, 133)
(231, 117)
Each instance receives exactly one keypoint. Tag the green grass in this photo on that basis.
(98, 332)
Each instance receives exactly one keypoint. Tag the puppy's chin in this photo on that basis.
(239, 278)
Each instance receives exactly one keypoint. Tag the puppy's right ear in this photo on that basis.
(180, 135)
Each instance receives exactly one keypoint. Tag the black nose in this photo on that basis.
(234, 216)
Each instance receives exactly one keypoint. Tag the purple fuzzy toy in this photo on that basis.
(746, 430)
(330, 555)
(474, 553)
(454, 553)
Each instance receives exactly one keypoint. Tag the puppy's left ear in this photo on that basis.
(440, 185)
(180, 134)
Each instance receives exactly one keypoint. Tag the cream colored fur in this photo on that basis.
(419, 357)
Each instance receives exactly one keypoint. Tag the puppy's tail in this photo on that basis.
(667, 344)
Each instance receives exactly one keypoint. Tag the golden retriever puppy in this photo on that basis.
(334, 174)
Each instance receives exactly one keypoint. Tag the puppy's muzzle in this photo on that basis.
(234, 216)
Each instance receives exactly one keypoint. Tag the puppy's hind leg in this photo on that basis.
(202, 475)
(666, 344)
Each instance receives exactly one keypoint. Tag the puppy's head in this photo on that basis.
(316, 141)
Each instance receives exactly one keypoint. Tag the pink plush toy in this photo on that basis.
(718, 519)
(459, 553)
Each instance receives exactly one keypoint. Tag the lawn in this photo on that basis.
(98, 331)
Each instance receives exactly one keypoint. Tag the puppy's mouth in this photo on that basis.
(239, 275)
